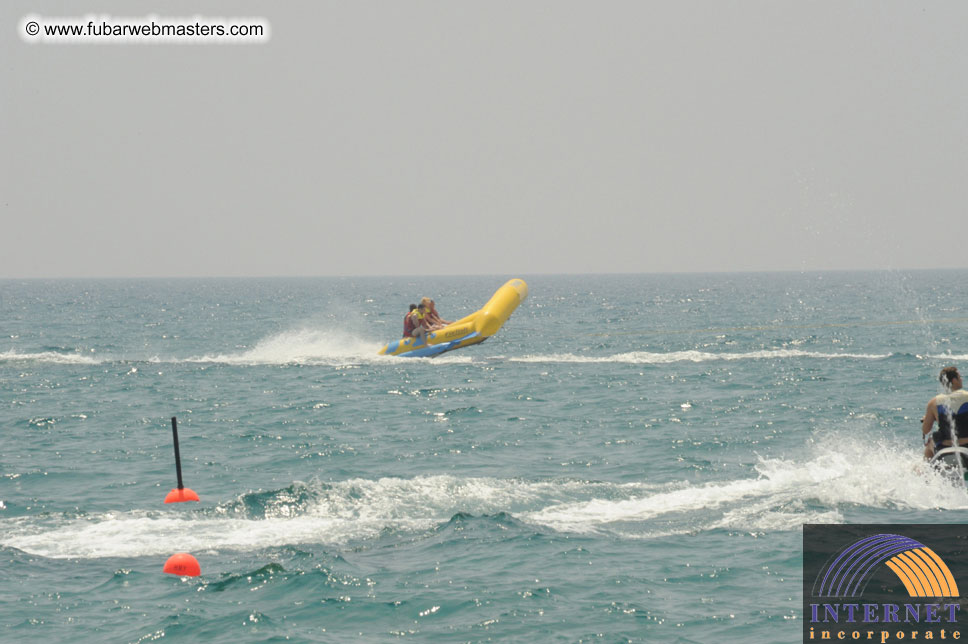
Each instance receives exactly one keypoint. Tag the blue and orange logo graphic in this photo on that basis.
(922, 572)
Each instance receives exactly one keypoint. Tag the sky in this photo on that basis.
(499, 137)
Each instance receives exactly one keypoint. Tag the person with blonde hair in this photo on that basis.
(433, 318)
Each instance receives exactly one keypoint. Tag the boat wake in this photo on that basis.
(305, 346)
(645, 357)
(841, 473)
(334, 347)
(780, 495)
(51, 357)
(301, 346)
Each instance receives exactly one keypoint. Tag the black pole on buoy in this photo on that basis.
(174, 435)
(180, 493)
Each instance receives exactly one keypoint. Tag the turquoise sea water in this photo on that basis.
(631, 458)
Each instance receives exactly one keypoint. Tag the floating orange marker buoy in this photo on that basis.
(180, 493)
(178, 496)
(183, 565)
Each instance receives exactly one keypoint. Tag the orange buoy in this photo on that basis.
(179, 495)
(183, 565)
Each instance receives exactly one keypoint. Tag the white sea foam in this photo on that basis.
(842, 471)
(333, 347)
(645, 357)
(311, 347)
(337, 347)
(50, 357)
(301, 346)
(840, 474)
(348, 510)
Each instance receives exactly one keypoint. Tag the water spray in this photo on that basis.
(953, 433)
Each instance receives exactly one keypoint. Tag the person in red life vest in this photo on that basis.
(415, 324)
(408, 322)
(433, 318)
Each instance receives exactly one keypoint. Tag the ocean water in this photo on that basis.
(631, 458)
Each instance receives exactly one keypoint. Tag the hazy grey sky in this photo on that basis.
(490, 137)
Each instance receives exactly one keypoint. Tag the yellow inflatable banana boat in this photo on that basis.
(473, 329)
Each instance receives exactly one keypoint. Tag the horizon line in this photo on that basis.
(463, 275)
